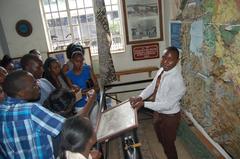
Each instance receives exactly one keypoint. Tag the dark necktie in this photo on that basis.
(153, 96)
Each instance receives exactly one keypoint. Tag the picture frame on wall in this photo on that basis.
(143, 20)
(175, 33)
(62, 58)
(145, 51)
(16, 62)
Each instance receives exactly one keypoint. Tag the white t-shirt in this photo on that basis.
(72, 155)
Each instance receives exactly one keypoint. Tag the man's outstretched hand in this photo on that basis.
(136, 102)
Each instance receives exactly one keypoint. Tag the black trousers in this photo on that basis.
(165, 126)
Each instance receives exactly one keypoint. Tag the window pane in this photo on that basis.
(53, 5)
(114, 1)
(64, 19)
(46, 6)
(114, 27)
(76, 32)
(88, 3)
(92, 31)
(72, 4)
(89, 11)
(55, 15)
(90, 15)
(82, 17)
(74, 17)
(53, 34)
(67, 34)
(83, 27)
(90, 18)
(61, 5)
(108, 8)
(59, 33)
(115, 8)
(80, 4)
(107, 2)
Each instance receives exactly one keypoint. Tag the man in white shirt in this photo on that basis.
(165, 92)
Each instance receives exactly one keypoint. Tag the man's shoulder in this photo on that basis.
(14, 111)
(43, 80)
(45, 83)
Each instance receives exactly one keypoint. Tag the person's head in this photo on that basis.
(77, 60)
(61, 101)
(52, 66)
(36, 53)
(21, 84)
(72, 48)
(7, 63)
(3, 74)
(78, 135)
(170, 58)
(32, 64)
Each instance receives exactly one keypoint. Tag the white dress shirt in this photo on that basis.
(169, 93)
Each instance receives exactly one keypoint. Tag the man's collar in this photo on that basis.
(174, 69)
(11, 100)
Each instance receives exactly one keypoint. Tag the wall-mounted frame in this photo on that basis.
(23, 28)
(175, 34)
(16, 62)
(62, 58)
(145, 51)
(143, 20)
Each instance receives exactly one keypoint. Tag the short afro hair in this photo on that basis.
(173, 49)
(25, 60)
(13, 82)
(6, 60)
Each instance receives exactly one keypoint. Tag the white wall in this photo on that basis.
(13, 10)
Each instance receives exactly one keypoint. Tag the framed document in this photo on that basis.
(143, 20)
(175, 34)
(62, 58)
(116, 120)
(145, 51)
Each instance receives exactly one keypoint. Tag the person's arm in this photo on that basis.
(73, 87)
(137, 102)
(175, 93)
(91, 94)
(94, 80)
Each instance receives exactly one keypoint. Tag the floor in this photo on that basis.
(150, 147)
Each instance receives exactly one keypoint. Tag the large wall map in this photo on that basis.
(211, 68)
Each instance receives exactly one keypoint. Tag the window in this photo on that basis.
(73, 20)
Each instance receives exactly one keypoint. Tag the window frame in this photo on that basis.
(56, 46)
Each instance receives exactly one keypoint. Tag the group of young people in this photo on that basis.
(39, 111)
(32, 113)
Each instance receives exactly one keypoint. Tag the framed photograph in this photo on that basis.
(146, 51)
(16, 62)
(62, 58)
(143, 20)
(175, 34)
(116, 120)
